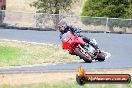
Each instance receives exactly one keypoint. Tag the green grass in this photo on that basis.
(69, 85)
(7, 52)
(16, 54)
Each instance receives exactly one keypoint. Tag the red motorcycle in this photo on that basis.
(76, 46)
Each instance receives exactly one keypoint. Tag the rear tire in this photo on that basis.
(100, 57)
(78, 52)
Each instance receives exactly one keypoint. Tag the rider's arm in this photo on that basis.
(60, 36)
(75, 30)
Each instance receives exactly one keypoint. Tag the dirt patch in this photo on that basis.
(30, 78)
(52, 77)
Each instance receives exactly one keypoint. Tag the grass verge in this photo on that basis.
(19, 53)
(63, 79)
(69, 85)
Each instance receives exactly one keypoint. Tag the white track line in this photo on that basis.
(27, 42)
(23, 66)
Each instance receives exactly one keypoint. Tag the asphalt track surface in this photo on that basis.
(119, 45)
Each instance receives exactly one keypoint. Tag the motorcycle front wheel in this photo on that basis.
(85, 57)
(100, 57)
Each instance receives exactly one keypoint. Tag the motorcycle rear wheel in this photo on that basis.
(80, 54)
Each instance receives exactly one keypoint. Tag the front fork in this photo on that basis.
(83, 51)
(93, 52)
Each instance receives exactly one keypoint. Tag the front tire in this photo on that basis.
(100, 57)
(80, 54)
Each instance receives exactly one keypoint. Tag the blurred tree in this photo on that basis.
(108, 8)
(53, 6)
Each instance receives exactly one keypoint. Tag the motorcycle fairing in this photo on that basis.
(69, 41)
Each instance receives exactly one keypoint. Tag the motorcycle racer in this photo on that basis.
(63, 27)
